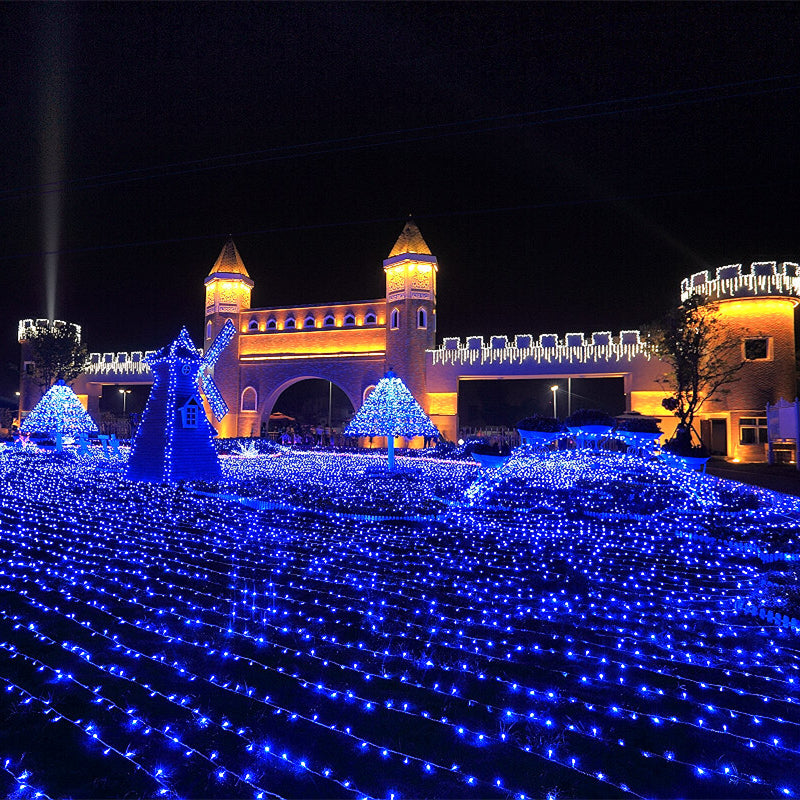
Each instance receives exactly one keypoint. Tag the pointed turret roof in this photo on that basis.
(229, 263)
(410, 241)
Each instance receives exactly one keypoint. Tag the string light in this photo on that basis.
(536, 630)
(59, 411)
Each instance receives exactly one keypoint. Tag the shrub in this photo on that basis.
(540, 424)
(588, 416)
(638, 425)
(684, 449)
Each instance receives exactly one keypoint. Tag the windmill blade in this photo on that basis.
(219, 344)
(219, 408)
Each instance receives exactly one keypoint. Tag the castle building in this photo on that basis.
(350, 344)
(353, 344)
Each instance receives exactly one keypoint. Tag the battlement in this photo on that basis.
(759, 279)
(112, 364)
(548, 348)
(28, 327)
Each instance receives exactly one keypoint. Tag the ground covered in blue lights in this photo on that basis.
(569, 625)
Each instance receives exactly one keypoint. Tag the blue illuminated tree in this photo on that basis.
(59, 411)
(391, 410)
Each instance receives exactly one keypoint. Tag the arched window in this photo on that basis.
(349, 319)
(395, 319)
(370, 319)
(422, 318)
(209, 329)
(310, 322)
(329, 321)
(367, 392)
(249, 399)
(289, 323)
(271, 324)
(252, 325)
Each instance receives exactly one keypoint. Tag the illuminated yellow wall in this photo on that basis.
(227, 293)
(307, 343)
(442, 403)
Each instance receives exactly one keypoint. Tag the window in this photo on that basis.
(190, 413)
(249, 399)
(370, 319)
(757, 349)
(271, 324)
(289, 323)
(753, 430)
(252, 325)
(329, 321)
(395, 323)
(349, 319)
(422, 318)
(310, 322)
(209, 329)
(29, 367)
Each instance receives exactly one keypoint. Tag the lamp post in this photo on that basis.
(124, 393)
(554, 389)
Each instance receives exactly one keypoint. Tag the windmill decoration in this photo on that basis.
(175, 439)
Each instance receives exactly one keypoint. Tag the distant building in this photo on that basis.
(353, 344)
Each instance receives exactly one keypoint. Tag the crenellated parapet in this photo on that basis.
(28, 327)
(119, 364)
(600, 346)
(758, 279)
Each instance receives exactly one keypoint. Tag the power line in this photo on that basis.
(413, 134)
(379, 220)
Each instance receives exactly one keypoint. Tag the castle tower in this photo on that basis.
(228, 288)
(755, 305)
(410, 309)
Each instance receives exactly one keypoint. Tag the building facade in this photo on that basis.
(353, 344)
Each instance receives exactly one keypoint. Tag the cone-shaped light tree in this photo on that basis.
(391, 410)
(58, 412)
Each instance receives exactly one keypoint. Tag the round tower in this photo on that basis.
(410, 309)
(228, 288)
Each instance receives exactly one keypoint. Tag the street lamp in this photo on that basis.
(554, 389)
(124, 393)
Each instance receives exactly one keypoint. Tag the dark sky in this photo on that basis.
(567, 163)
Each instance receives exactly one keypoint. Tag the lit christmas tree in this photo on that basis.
(59, 411)
(390, 411)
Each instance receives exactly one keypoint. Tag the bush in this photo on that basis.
(540, 424)
(638, 425)
(685, 450)
(588, 416)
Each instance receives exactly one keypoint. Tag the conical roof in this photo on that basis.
(229, 262)
(410, 241)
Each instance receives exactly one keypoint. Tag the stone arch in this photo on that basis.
(353, 394)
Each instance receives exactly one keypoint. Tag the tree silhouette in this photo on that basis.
(703, 355)
(57, 354)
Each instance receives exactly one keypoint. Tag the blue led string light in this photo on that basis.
(546, 622)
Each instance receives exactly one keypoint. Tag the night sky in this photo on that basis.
(567, 163)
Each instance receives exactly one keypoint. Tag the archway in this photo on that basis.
(306, 404)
